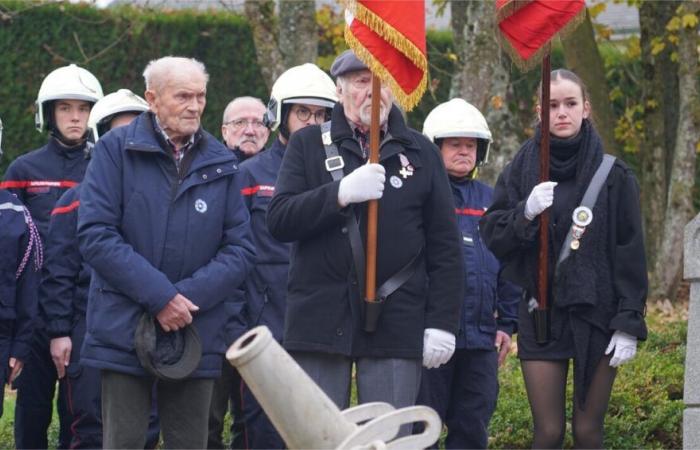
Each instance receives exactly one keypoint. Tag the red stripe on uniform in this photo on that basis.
(17, 184)
(252, 190)
(469, 212)
(66, 209)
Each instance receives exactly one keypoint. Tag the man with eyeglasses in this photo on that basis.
(245, 133)
(242, 127)
(320, 205)
(303, 95)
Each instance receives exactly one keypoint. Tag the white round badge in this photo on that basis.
(395, 181)
(200, 206)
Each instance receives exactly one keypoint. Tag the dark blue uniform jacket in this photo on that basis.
(149, 232)
(66, 277)
(266, 287)
(18, 296)
(490, 302)
(40, 177)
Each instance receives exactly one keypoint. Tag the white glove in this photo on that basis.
(438, 347)
(625, 346)
(362, 184)
(540, 199)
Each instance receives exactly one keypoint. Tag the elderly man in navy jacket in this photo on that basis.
(163, 225)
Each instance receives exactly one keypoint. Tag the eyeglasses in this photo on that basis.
(320, 116)
(240, 124)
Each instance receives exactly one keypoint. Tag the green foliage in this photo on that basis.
(115, 45)
(440, 66)
(646, 406)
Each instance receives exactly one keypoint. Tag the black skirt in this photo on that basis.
(561, 345)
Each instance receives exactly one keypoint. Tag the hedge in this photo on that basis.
(118, 44)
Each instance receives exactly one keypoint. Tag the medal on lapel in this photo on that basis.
(582, 217)
(406, 167)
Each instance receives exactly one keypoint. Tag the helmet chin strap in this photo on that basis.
(68, 143)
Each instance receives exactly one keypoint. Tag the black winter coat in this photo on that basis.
(324, 302)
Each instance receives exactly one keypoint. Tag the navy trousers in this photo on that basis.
(35, 392)
(258, 431)
(464, 393)
(227, 391)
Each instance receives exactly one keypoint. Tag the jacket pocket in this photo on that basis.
(112, 319)
(487, 318)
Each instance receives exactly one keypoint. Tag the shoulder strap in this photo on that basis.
(589, 199)
(334, 164)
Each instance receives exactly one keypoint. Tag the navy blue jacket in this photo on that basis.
(18, 296)
(65, 277)
(150, 232)
(40, 177)
(266, 287)
(486, 293)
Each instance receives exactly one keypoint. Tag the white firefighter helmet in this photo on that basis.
(300, 84)
(65, 83)
(105, 109)
(458, 118)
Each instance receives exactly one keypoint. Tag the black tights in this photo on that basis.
(545, 382)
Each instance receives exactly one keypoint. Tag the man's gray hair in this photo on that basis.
(232, 103)
(342, 81)
(158, 70)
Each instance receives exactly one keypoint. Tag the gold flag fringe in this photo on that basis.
(530, 63)
(398, 41)
(388, 33)
(509, 8)
(406, 101)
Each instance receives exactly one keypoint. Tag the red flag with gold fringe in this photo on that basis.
(527, 26)
(389, 37)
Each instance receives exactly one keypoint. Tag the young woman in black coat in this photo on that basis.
(598, 294)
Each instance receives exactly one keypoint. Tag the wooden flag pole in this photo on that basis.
(371, 304)
(542, 328)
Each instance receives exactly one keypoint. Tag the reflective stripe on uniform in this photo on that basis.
(469, 212)
(252, 190)
(12, 206)
(23, 184)
(65, 209)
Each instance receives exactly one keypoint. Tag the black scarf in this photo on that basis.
(585, 276)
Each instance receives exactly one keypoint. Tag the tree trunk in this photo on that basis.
(659, 74)
(679, 205)
(299, 32)
(262, 20)
(583, 58)
(482, 78)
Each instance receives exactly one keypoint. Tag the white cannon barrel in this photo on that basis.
(302, 413)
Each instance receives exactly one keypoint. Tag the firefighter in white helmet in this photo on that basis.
(39, 178)
(303, 95)
(464, 390)
(115, 110)
(64, 288)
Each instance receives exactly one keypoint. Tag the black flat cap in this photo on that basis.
(346, 62)
(170, 356)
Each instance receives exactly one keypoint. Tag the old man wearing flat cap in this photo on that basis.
(163, 225)
(320, 204)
